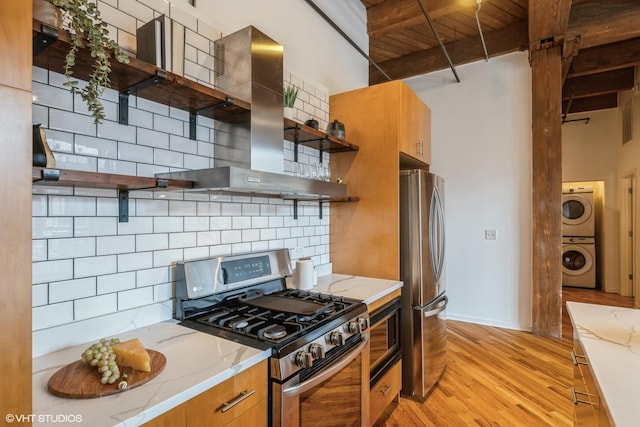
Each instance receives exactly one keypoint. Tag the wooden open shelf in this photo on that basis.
(169, 89)
(72, 178)
(306, 135)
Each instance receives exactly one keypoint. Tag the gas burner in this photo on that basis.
(239, 323)
(275, 332)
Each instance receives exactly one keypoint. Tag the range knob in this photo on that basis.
(304, 359)
(354, 327)
(317, 351)
(364, 323)
(336, 338)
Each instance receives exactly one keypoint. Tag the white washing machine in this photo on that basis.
(578, 213)
(579, 262)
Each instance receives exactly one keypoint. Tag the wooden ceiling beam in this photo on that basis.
(599, 84)
(509, 39)
(599, 22)
(592, 103)
(400, 14)
(606, 58)
(548, 20)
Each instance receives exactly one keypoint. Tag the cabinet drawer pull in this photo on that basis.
(386, 390)
(243, 395)
(574, 358)
(574, 394)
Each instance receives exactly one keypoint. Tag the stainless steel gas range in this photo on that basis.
(319, 342)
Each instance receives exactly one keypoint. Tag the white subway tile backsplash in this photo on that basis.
(50, 315)
(113, 130)
(208, 208)
(39, 205)
(70, 122)
(163, 292)
(152, 276)
(137, 10)
(220, 223)
(168, 158)
(268, 234)
(40, 115)
(230, 236)
(136, 225)
(168, 257)
(276, 221)
(167, 224)
(145, 207)
(71, 248)
(47, 227)
(110, 245)
(196, 253)
(59, 142)
(51, 271)
(151, 170)
(69, 290)
(107, 207)
(182, 144)
(40, 75)
(94, 266)
(141, 119)
(87, 308)
(111, 283)
(231, 209)
(135, 153)
(115, 17)
(95, 226)
(240, 222)
(152, 138)
(38, 250)
(250, 235)
(152, 242)
(196, 162)
(239, 248)
(39, 295)
(71, 206)
(70, 161)
(208, 238)
(182, 240)
(196, 223)
(199, 42)
(135, 261)
(166, 124)
(52, 96)
(260, 245)
(182, 208)
(135, 298)
(117, 167)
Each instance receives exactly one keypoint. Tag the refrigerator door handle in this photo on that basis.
(436, 233)
(438, 306)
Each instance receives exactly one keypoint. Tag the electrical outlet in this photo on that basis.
(490, 235)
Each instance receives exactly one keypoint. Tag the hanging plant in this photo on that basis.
(87, 27)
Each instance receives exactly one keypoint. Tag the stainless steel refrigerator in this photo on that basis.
(424, 299)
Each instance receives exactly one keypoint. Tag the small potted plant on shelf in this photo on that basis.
(289, 96)
(88, 28)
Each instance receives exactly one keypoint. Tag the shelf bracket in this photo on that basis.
(320, 209)
(46, 38)
(123, 206)
(295, 209)
(123, 96)
(193, 115)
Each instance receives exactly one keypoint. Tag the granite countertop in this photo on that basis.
(611, 340)
(195, 362)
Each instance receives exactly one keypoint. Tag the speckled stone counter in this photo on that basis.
(367, 289)
(611, 340)
(195, 363)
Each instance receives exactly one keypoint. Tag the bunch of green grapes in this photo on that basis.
(101, 355)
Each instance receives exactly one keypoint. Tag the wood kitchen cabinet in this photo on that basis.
(589, 408)
(245, 396)
(392, 129)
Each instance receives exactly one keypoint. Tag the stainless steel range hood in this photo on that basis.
(249, 155)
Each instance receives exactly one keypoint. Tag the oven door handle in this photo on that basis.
(327, 373)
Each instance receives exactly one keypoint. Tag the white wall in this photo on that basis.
(590, 153)
(481, 145)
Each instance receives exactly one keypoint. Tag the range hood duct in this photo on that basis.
(249, 153)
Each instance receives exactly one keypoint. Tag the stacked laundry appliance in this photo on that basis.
(578, 237)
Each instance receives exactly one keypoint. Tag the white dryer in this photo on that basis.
(579, 262)
(578, 213)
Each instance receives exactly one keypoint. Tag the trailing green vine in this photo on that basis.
(87, 27)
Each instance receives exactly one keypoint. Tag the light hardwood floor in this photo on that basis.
(501, 377)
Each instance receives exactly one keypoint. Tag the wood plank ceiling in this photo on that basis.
(600, 42)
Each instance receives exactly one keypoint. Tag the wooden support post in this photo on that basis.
(546, 77)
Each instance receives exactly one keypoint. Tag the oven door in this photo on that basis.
(337, 395)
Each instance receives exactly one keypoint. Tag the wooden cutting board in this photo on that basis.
(78, 380)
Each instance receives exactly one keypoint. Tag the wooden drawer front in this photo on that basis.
(206, 408)
(385, 391)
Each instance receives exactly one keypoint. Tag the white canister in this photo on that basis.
(304, 273)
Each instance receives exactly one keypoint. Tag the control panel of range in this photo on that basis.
(321, 346)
